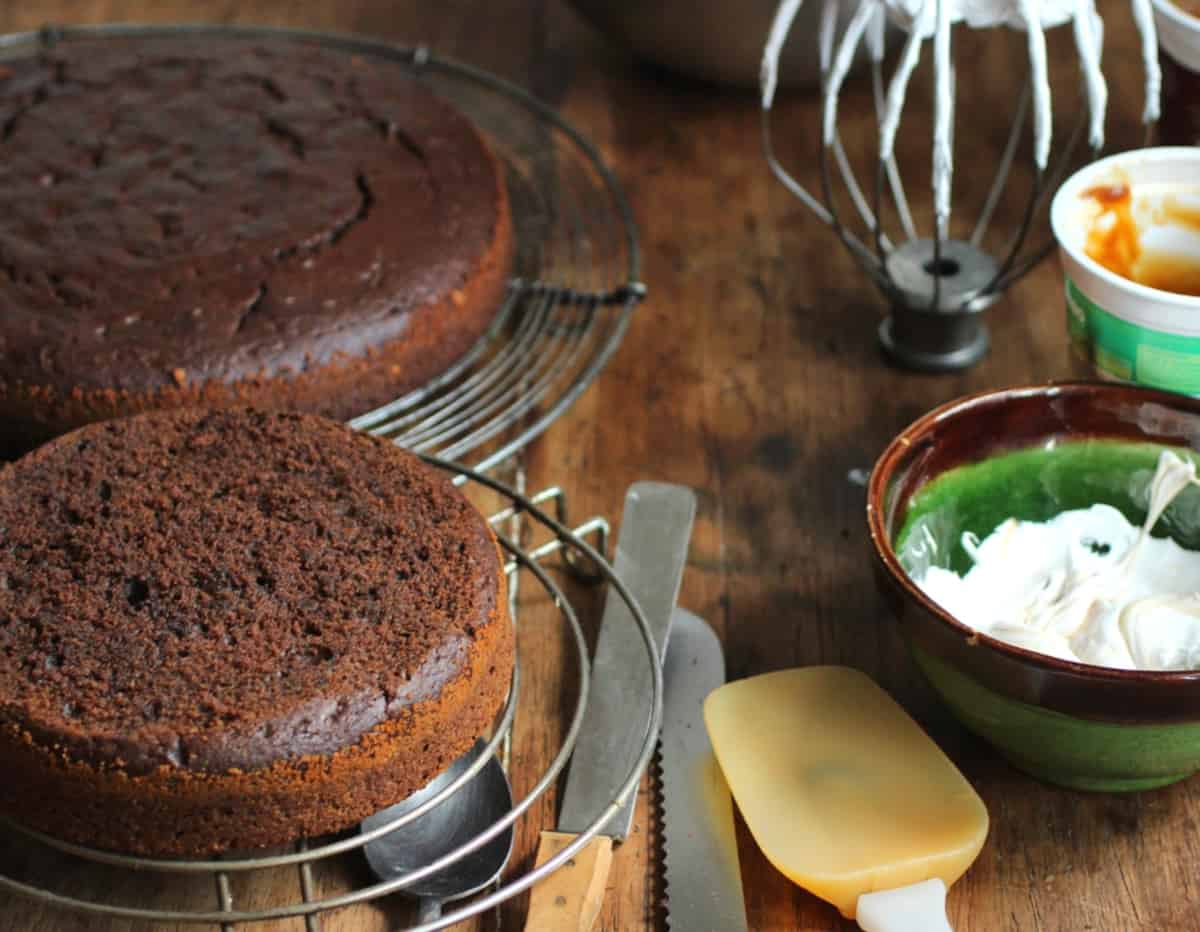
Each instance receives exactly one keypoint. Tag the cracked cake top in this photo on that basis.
(180, 210)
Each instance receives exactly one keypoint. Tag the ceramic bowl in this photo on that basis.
(1072, 724)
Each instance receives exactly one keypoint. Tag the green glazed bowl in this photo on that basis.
(1031, 453)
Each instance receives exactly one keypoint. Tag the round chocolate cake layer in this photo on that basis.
(226, 629)
(225, 221)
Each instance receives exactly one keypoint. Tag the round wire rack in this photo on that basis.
(549, 536)
(574, 289)
(575, 280)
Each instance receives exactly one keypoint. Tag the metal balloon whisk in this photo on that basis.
(938, 285)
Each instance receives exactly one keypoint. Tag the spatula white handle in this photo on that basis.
(919, 907)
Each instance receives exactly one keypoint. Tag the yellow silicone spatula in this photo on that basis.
(846, 795)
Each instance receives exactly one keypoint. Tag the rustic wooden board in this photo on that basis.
(752, 374)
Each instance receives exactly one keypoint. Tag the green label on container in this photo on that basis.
(1119, 349)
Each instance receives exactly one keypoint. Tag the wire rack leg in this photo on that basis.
(224, 899)
(312, 922)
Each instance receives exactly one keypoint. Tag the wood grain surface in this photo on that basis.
(752, 374)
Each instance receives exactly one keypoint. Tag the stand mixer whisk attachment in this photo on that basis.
(938, 285)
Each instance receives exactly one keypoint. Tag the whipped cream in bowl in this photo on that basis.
(1086, 585)
(1039, 551)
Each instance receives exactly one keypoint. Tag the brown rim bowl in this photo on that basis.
(1072, 723)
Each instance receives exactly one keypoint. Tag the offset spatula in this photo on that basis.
(651, 553)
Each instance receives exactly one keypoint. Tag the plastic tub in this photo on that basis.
(1119, 329)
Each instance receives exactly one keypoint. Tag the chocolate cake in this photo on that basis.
(230, 221)
(229, 629)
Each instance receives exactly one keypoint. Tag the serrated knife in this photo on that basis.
(656, 528)
(704, 881)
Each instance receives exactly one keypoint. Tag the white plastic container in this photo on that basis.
(1119, 329)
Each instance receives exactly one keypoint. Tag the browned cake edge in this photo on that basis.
(438, 335)
(175, 812)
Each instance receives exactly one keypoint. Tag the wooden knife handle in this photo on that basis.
(569, 900)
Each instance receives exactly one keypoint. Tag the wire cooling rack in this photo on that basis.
(575, 279)
(549, 537)
(570, 302)
(574, 289)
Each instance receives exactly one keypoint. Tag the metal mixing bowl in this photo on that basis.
(713, 40)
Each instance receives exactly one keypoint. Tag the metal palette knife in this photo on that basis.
(650, 557)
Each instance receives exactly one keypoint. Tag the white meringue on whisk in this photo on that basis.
(936, 275)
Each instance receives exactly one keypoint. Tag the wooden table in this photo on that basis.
(752, 374)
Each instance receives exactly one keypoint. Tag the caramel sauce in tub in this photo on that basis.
(1115, 241)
